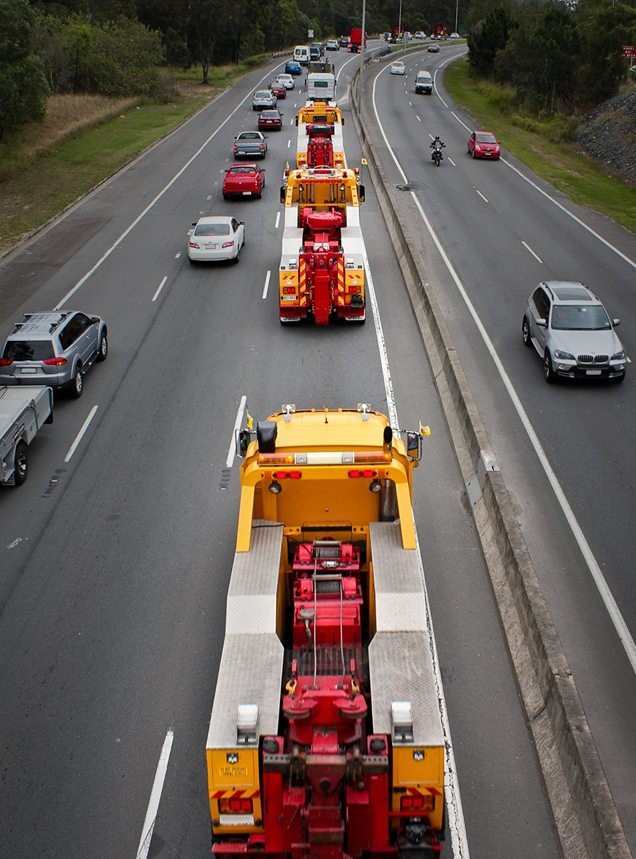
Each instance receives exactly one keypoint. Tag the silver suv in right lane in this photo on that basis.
(573, 333)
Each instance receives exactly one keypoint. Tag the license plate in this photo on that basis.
(592, 372)
(246, 193)
(27, 370)
(210, 247)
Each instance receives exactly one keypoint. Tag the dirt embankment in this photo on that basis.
(608, 133)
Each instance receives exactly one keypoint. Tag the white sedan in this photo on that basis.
(398, 68)
(216, 237)
(286, 80)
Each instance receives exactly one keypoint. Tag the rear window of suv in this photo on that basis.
(28, 350)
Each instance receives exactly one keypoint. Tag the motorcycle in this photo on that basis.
(436, 154)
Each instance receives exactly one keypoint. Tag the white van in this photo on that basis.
(301, 54)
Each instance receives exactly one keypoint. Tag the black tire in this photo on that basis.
(226, 196)
(237, 257)
(525, 332)
(76, 385)
(102, 352)
(548, 372)
(21, 463)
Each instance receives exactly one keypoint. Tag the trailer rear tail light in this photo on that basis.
(284, 475)
(236, 805)
(289, 290)
(362, 472)
(55, 362)
(354, 289)
(417, 802)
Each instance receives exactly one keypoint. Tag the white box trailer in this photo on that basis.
(23, 411)
(321, 86)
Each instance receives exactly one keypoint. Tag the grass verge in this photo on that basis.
(543, 146)
(84, 140)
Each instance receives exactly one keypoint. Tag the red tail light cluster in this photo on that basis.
(236, 805)
(362, 472)
(416, 802)
(55, 362)
(285, 475)
(5, 362)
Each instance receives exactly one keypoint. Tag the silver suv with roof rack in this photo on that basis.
(54, 348)
(573, 333)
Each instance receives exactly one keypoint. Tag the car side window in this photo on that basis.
(541, 302)
(69, 334)
(235, 225)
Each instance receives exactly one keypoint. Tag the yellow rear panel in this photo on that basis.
(233, 773)
(420, 770)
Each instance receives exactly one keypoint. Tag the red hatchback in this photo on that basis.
(243, 180)
(278, 89)
(484, 144)
(270, 120)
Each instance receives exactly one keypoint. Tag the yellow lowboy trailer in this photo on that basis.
(325, 740)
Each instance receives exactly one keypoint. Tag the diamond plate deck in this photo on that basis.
(252, 660)
(401, 669)
(397, 576)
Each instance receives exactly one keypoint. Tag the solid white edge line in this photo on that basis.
(155, 797)
(237, 424)
(266, 287)
(152, 203)
(455, 812)
(80, 434)
(160, 287)
(613, 611)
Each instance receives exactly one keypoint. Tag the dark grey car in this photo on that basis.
(572, 332)
(250, 144)
(53, 348)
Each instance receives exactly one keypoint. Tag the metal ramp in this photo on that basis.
(400, 657)
(252, 660)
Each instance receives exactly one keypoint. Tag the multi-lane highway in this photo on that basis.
(116, 553)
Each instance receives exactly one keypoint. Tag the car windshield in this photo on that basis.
(235, 170)
(264, 93)
(482, 137)
(28, 350)
(270, 114)
(212, 230)
(249, 135)
(580, 317)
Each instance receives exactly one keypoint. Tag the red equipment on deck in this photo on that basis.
(320, 145)
(321, 260)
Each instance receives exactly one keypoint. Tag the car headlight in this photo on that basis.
(618, 356)
(563, 356)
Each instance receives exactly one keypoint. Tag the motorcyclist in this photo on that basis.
(437, 145)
